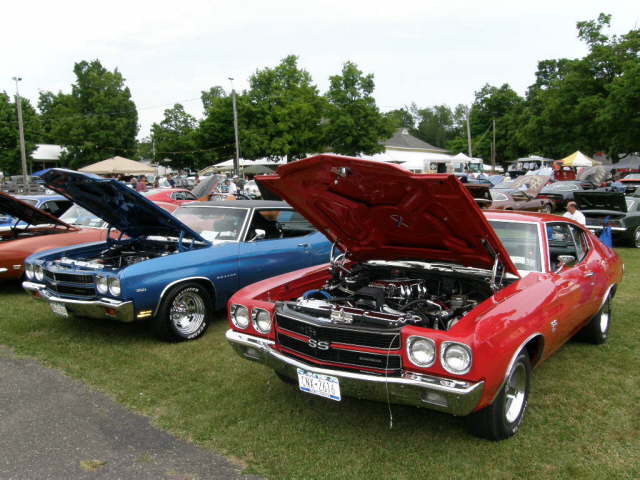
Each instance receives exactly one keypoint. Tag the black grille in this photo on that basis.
(72, 290)
(390, 362)
(68, 277)
(387, 340)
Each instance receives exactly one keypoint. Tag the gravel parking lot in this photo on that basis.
(55, 427)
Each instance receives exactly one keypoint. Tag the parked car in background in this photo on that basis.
(430, 303)
(613, 209)
(177, 196)
(252, 190)
(630, 182)
(173, 270)
(522, 194)
(562, 192)
(56, 205)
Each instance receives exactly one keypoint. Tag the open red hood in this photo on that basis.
(376, 210)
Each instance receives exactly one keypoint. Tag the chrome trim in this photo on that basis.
(606, 295)
(452, 396)
(254, 316)
(513, 360)
(430, 340)
(85, 308)
(164, 290)
(443, 348)
(600, 227)
(2, 270)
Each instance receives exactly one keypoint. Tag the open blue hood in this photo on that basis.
(120, 206)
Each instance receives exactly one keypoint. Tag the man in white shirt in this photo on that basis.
(574, 214)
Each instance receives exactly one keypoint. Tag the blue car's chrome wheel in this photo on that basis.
(187, 312)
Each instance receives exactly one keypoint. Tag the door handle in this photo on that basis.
(305, 245)
(589, 274)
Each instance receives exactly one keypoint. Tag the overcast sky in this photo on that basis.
(427, 52)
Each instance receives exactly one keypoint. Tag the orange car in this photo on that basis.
(44, 231)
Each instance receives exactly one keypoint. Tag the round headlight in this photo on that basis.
(261, 320)
(114, 287)
(240, 316)
(456, 358)
(101, 284)
(38, 271)
(421, 351)
(28, 270)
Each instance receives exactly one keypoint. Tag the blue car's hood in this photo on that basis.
(120, 206)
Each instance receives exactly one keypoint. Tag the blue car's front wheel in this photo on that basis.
(185, 312)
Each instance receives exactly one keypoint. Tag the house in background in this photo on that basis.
(45, 156)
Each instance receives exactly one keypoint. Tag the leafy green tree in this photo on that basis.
(97, 120)
(282, 112)
(438, 125)
(354, 122)
(10, 162)
(215, 134)
(175, 138)
(402, 117)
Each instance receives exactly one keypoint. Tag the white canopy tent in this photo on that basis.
(118, 165)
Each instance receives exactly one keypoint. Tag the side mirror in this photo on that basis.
(260, 234)
(565, 261)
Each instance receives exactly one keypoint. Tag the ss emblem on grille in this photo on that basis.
(313, 343)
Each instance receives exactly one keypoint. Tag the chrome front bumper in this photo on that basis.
(600, 227)
(452, 396)
(99, 308)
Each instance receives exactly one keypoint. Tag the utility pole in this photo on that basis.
(493, 147)
(236, 160)
(469, 133)
(23, 154)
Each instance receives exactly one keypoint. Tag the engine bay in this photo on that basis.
(120, 255)
(388, 295)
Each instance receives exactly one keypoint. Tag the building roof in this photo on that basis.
(46, 152)
(403, 139)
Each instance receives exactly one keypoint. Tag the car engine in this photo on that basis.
(383, 294)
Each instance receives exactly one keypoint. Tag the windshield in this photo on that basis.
(80, 217)
(497, 196)
(522, 243)
(216, 224)
(632, 176)
(561, 187)
(631, 203)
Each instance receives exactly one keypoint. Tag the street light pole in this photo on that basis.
(236, 161)
(23, 154)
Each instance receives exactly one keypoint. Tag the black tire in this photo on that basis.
(503, 418)
(597, 330)
(184, 314)
(635, 238)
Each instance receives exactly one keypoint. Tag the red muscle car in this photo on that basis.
(177, 196)
(427, 301)
(44, 231)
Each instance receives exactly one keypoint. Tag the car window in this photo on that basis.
(562, 241)
(80, 217)
(497, 196)
(56, 207)
(278, 223)
(580, 240)
(522, 242)
(216, 224)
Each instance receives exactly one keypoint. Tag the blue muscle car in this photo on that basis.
(56, 205)
(173, 270)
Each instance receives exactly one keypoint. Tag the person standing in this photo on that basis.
(141, 186)
(574, 214)
(171, 181)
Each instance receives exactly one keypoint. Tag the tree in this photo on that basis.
(402, 117)
(438, 125)
(96, 120)
(175, 138)
(215, 134)
(282, 112)
(10, 160)
(354, 123)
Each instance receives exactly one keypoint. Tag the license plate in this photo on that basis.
(59, 309)
(317, 384)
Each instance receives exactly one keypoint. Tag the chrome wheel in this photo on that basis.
(187, 312)
(636, 238)
(515, 393)
(604, 320)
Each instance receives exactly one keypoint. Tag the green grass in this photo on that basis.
(583, 420)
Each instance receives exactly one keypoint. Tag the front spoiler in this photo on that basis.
(443, 394)
(98, 308)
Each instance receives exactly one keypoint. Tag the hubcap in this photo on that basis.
(515, 393)
(187, 312)
(604, 320)
(636, 237)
